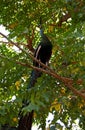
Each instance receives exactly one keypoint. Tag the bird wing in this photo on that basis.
(37, 52)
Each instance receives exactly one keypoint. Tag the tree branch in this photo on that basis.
(68, 82)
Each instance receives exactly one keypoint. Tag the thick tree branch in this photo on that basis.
(68, 82)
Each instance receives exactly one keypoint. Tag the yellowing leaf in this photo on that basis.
(50, 29)
(46, 1)
(63, 90)
(15, 119)
(58, 107)
(64, 9)
(83, 101)
(55, 105)
(80, 105)
(17, 84)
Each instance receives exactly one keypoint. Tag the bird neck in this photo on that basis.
(43, 36)
(42, 32)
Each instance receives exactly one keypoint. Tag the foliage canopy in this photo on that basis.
(64, 23)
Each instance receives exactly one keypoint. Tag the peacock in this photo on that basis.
(42, 53)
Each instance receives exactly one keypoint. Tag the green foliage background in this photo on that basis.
(64, 23)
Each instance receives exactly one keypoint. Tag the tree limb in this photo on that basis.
(67, 81)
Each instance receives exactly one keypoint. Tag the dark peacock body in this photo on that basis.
(42, 53)
(44, 49)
